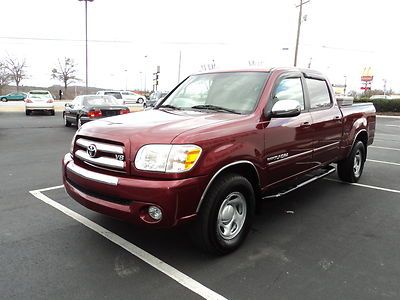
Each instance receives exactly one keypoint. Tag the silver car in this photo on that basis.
(39, 100)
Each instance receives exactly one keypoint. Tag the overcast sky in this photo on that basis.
(339, 37)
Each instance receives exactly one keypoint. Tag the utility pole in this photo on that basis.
(86, 40)
(179, 68)
(298, 29)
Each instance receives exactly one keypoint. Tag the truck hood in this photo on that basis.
(152, 126)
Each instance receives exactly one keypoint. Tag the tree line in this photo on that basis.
(14, 70)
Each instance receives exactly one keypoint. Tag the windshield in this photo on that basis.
(40, 95)
(100, 100)
(237, 91)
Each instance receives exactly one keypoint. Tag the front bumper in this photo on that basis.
(128, 198)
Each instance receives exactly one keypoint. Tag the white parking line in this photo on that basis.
(156, 263)
(383, 162)
(385, 148)
(393, 126)
(365, 186)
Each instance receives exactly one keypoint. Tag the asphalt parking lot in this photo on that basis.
(327, 240)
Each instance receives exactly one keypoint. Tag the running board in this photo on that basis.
(327, 171)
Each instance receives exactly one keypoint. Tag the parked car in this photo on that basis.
(87, 108)
(39, 100)
(218, 144)
(155, 97)
(380, 97)
(128, 97)
(16, 96)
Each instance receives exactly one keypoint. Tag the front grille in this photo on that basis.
(101, 155)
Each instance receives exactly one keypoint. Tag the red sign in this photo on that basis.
(367, 78)
(366, 88)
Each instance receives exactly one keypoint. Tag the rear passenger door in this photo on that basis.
(326, 120)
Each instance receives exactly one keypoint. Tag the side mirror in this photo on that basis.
(285, 109)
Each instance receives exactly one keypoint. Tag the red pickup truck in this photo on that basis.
(218, 143)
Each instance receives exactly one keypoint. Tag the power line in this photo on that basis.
(105, 41)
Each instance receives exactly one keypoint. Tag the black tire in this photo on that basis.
(66, 122)
(78, 122)
(209, 228)
(351, 168)
(140, 100)
(27, 112)
(4, 99)
(52, 112)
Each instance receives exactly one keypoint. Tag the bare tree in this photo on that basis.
(66, 72)
(5, 77)
(16, 70)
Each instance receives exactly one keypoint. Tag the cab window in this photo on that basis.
(319, 93)
(289, 89)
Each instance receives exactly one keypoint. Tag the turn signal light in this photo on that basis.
(124, 111)
(50, 101)
(27, 100)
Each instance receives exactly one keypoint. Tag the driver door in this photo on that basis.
(288, 140)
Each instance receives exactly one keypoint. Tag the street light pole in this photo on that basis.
(298, 29)
(145, 73)
(126, 79)
(86, 43)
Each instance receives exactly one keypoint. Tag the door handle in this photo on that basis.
(336, 118)
(305, 124)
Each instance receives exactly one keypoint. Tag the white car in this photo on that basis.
(128, 96)
(380, 97)
(39, 100)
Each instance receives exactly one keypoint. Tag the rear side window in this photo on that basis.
(115, 94)
(289, 89)
(319, 93)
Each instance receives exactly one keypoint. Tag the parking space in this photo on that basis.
(327, 240)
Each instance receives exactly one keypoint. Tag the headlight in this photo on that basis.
(167, 158)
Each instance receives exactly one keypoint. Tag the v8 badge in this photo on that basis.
(119, 157)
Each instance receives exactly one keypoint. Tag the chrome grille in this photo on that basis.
(105, 156)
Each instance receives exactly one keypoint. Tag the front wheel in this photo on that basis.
(79, 122)
(351, 168)
(226, 215)
(140, 100)
(27, 112)
(4, 99)
(66, 122)
(52, 112)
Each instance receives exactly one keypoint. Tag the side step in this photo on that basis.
(326, 171)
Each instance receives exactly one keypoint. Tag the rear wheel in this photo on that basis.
(351, 168)
(226, 215)
(140, 100)
(52, 112)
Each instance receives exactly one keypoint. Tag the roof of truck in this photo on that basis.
(308, 72)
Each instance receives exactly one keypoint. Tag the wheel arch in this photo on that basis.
(362, 136)
(243, 167)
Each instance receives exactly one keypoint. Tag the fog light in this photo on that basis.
(155, 213)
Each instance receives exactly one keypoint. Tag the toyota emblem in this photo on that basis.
(91, 150)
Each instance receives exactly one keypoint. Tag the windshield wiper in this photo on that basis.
(216, 108)
(170, 106)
